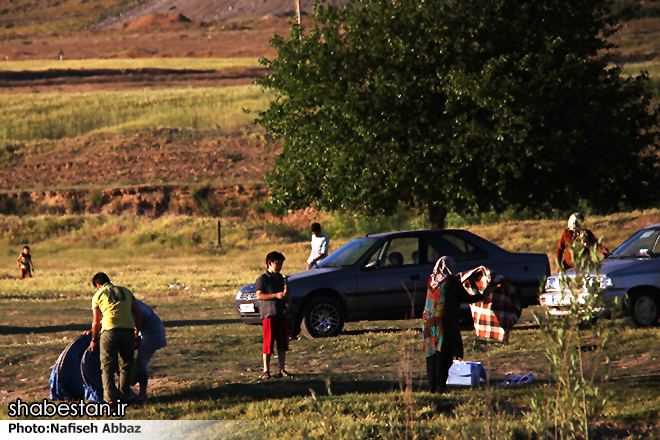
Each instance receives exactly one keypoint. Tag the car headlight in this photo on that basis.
(551, 283)
(603, 282)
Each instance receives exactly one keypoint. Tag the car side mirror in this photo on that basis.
(372, 264)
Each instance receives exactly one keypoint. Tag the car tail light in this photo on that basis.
(547, 269)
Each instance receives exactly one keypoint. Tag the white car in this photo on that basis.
(631, 273)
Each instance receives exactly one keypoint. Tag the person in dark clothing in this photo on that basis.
(574, 237)
(440, 321)
(273, 294)
(25, 263)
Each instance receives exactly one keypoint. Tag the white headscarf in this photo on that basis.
(443, 268)
(576, 219)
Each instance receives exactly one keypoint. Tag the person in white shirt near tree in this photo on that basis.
(320, 245)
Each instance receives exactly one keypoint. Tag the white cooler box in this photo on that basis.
(466, 373)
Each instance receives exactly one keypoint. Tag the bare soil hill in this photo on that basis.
(212, 10)
(150, 20)
(148, 157)
(176, 40)
(149, 172)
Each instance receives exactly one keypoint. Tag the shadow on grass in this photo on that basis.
(18, 330)
(637, 378)
(526, 327)
(466, 325)
(269, 389)
(379, 331)
(199, 322)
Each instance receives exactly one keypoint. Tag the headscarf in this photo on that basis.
(443, 268)
(576, 219)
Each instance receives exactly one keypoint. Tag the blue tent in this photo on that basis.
(77, 373)
(90, 368)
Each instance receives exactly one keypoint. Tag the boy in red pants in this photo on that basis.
(272, 291)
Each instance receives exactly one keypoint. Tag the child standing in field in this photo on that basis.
(320, 246)
(273, 293)
(25, 263)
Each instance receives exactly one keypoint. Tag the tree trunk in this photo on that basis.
(437, 216)
(298, 13)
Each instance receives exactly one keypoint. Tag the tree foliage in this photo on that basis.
(469, 106)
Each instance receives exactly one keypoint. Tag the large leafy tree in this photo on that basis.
(443, 105)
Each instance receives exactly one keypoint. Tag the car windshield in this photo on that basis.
(642, 244)
(349, 253)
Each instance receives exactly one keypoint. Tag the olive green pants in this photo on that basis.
(117, 349)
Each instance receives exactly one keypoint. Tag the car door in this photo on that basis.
(391, 280)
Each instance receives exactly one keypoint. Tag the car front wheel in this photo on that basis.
(321, 318)
(645, 308)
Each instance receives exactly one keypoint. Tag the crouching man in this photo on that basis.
(115, 331)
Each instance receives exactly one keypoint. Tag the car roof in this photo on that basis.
(415, 232)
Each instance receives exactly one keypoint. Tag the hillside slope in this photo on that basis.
(211, 10)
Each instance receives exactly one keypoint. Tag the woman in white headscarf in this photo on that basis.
(440, 329)
(576, 236)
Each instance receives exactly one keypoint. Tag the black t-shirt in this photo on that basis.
(270, 283)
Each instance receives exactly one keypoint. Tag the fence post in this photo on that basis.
(219, 234)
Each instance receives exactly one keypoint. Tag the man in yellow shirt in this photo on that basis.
(115, 331)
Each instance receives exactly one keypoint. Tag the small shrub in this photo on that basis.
(258, 207)
(200, 193)
(234, 157)
(577, 398)
(96, 199)
(74, 205)
(7, 205)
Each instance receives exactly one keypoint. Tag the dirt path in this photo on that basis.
(67, 80)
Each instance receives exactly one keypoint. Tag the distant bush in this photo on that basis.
(96, 198)
(628, 10)
(344, 225)
(16, 230)
(74, 205)
(234, 157)
(258, 207)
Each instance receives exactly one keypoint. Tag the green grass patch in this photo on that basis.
(345, 387)
(54, 116)
(138, 63)
(351, 386)
(152, 254)
(38, 17)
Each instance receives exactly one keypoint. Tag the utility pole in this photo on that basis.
(298, 13)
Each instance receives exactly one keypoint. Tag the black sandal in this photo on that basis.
(265, 375)
(284, 373)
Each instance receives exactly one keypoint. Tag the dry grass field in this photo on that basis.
(165, 108)
(209, 369)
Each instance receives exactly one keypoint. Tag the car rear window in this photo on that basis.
(440, 245)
